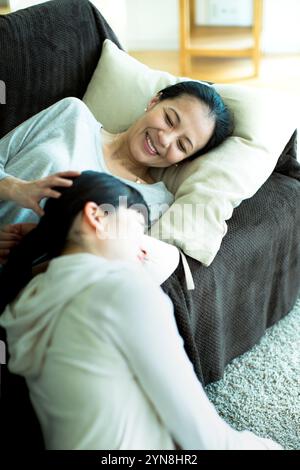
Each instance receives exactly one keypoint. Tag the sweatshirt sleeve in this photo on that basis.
(34, 130)
(143, 327)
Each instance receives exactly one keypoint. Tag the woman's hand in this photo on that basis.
(29, 193)
(10, 236)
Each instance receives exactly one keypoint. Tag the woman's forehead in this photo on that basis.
(187, 103)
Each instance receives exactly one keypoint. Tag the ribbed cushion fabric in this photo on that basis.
(48, 52)
(252, 283)
(287, 163)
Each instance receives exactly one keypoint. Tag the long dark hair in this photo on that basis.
(48, 239)
(223, 117)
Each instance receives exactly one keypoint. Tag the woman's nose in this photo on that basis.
(143, 255)
(164, 138)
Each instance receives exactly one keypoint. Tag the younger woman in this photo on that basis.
(96, 338)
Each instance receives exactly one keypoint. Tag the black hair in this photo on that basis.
(48, 238)
(217, 109)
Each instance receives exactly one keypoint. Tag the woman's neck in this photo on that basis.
(118, 157)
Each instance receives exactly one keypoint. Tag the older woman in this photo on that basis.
(103, 373)
(180, 122)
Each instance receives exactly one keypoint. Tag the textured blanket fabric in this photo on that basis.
(252, 283)
(50, 51)
(260, 390)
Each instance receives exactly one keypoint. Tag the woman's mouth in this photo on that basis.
(142, 256)
(148, 145)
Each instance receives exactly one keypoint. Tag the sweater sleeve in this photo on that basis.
(32, 131)
(143, 327)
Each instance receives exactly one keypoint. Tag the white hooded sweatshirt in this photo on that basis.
(105, 365)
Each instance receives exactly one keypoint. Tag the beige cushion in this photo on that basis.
(209, 188)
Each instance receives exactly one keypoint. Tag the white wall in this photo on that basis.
(281, 26)
(154, 25)
(114, 11)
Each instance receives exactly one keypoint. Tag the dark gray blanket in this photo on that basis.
(253, 281)
(49, 52)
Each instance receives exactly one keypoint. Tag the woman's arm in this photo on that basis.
(20, 141)
(144, 329)
(20, 138)
(29, 193)
(7, 188)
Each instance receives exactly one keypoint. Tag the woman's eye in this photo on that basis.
(181, 147)
(168, 120)
(170, 123)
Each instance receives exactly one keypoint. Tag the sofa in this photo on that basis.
(49, 52)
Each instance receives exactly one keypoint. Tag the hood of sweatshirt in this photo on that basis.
(31, 318)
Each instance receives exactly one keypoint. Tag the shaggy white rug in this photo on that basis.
(260, 390)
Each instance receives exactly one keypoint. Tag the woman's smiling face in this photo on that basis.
(170, 131)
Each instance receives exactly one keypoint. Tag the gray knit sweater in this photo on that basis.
(65, 136)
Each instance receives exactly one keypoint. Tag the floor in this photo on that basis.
(260, 389)
(277, 72)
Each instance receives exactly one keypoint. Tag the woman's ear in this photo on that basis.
(153, 101)
(94, 216)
